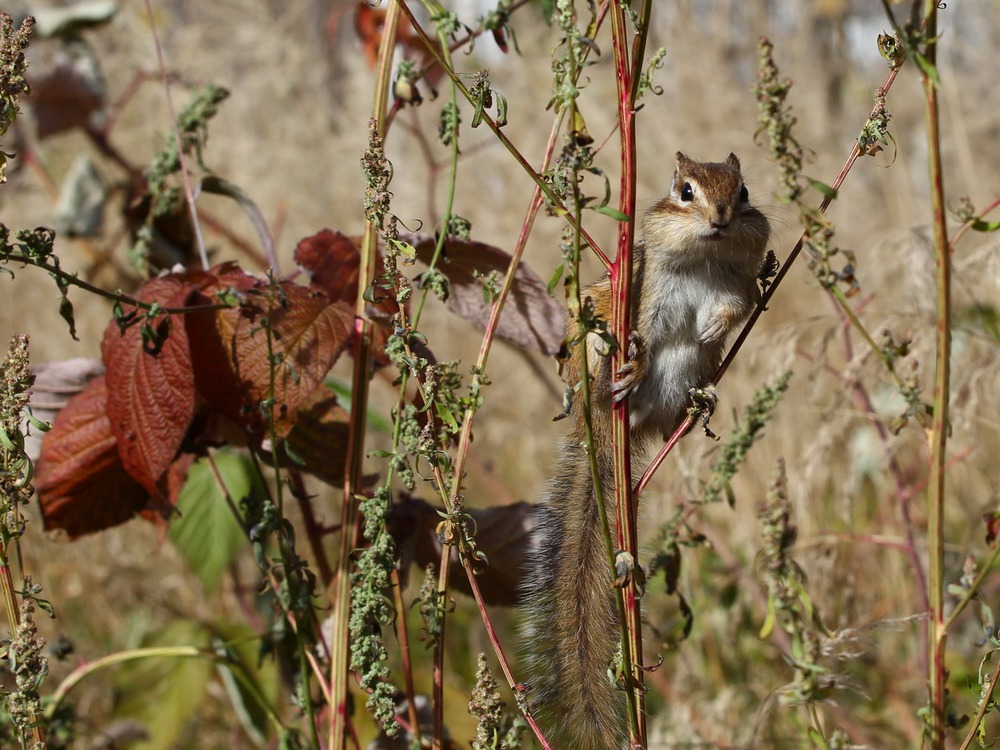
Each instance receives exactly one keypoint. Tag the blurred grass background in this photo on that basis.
(291, 135)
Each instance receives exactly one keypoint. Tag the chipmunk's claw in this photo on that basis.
(630, 374)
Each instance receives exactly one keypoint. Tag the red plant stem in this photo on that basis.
(403, 634)
(938, 437)
(984, 704)
(968, 224)
(621, 322)
(438, 673)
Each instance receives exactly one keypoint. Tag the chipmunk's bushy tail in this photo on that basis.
(571, 629)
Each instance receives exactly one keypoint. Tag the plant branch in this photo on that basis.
(938, 436)
(185, 175)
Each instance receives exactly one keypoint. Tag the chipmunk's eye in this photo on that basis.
(687, 192)
(744, 194)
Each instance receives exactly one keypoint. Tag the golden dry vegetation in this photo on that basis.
(291, 135)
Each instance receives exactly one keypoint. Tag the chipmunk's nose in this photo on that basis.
(721, 216)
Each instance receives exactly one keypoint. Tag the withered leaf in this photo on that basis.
(531, 318)
(503, 535)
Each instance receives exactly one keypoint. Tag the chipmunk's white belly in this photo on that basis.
(676, 362)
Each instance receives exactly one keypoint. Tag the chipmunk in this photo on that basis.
(695, 280)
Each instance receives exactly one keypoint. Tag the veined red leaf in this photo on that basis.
(232, 354)
(530, 319)
(332, 261)
(81, 483)
(151, 398)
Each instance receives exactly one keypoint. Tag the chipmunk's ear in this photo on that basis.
(733, 162)
(682, 160)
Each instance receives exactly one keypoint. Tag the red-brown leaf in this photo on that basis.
(319, 437)
(231, 358)
(151, 399)
(332, 261)
(530, 319)
(81, 483)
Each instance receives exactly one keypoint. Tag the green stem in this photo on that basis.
(362, 355)
(938, 436)
(501, 136)
(125, 299)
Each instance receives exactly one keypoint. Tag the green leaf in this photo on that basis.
(825, 190)
(818, 739)
(614, 213)
(768, 627)
(164, 694)
(926, 68)
(207, 534)
(985, 226)
(556, 276)
(252, 685)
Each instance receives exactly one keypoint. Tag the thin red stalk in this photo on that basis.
(968, 225)
(498, 649)
(403, 634)
(438, 672)
(938, 437)
(984, 705)
(621, 321)
(903, 493)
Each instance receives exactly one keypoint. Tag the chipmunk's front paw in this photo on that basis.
(630, 374)
(721, 323)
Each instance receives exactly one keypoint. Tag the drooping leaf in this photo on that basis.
(531, 317)
(165, 693)
(151, 398)
(220, 186)
(206, 532)
(81, 483)
(251, 685)
(503, 535)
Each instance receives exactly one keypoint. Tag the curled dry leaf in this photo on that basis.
(55, 384)
(530, 319)
(81, 483)
(503, 535)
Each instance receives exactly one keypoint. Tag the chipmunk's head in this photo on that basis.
(708, 203)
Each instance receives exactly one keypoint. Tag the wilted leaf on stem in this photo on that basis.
(531, 317)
